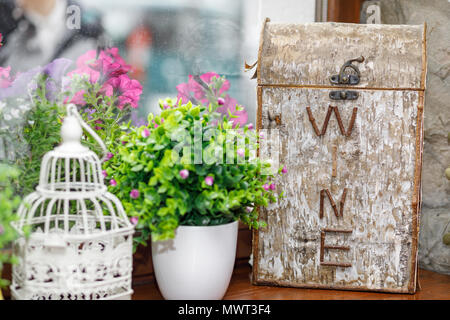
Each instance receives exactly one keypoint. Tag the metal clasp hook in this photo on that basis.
(347, 78)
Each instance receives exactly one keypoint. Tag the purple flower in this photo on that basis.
(284, 170)
(97, 128)
(109, 156)
(221, 101)
(145, 133)
(55, 71)
(241, 152)
(134, 220)
(209, 181)
(266, 187)
(134, 194)
(19, 87)
(105, 174)
(184, 174)
(136, 120)
(272, 186)
(113, 182)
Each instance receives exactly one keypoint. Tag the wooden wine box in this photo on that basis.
(346, 102)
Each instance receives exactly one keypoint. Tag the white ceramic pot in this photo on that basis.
(197, 264)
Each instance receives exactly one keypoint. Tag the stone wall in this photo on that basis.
(435, 218)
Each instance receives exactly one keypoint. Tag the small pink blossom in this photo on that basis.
(284, 170)
(97, 128)
(134, 194)
(221, 101)
(209, 181)
(241, 152)
(166, 105)
(272, 186)
(134, 220)
(113, 182)
(250, 126)
(145, 133)
(266, 187)
(5, 78)
(184, 174)
(109, 156)
(105, 174)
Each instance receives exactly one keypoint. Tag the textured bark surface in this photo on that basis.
(308, 54)
(435, 218)
(378, 163)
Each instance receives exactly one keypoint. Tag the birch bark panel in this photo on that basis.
(308, 54)
(375, 163)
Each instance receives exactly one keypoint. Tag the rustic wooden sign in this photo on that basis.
(349, 102)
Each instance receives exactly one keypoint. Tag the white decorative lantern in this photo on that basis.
(80, 240)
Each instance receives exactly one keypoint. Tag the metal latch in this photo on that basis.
(344, 95)
(347, 78)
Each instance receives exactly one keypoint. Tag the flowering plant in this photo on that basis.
(105, 93)
(8, 204)
(32, 106)
(175, 171)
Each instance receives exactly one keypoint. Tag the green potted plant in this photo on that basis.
(185, 181)
(8, 204)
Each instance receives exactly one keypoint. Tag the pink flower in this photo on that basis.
(113, 182)
(78, 98)
(192, 89)
(134, 220)
(108, 64)
(127, 90)
(241, 152)
(230, 105)
(266, 187)
(284, 170)
(250, 126)
(105, 174)
(221, 101)
(184, 174)
(5, 78)
(272, 186)
(109, 156)
(166, 105)
(134, 194)
(209, 181)
(145, 133)
(84, 63)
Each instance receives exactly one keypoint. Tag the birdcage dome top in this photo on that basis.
(72, 167)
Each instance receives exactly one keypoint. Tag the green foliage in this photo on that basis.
(41, 134)
(150, 159)
(8, 204)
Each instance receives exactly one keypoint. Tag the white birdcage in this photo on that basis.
(79, 243)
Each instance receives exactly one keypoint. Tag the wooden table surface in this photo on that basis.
(434, 286)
